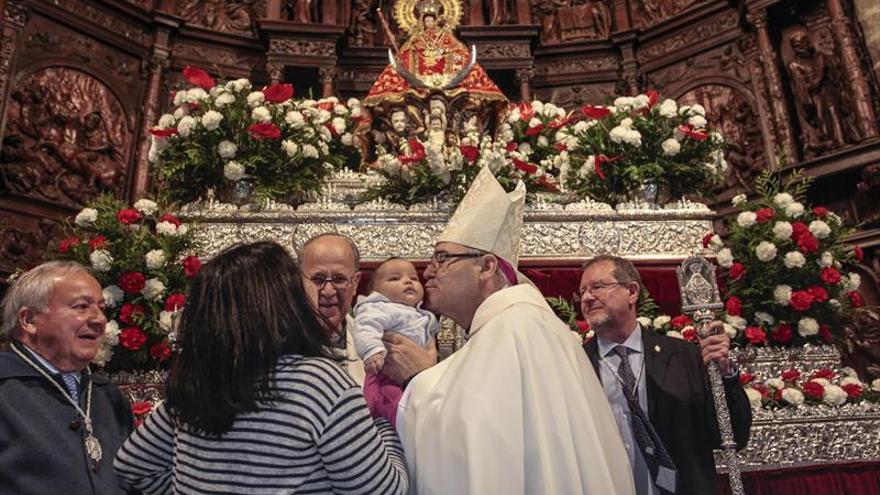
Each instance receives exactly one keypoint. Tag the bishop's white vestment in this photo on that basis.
(517, 410)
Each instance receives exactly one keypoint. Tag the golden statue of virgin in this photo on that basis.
(432, 72)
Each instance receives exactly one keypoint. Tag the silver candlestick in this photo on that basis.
(700, 299)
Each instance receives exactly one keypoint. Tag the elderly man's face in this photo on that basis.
(451, 287)
(605, 302)
(398, 122)
(328, 266)
(67, 334)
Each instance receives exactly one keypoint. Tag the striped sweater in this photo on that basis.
(318, 438)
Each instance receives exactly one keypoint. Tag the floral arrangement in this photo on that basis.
(220, 134)
(642, 140)
(425, 169)
(794, 389)
(567, 311)
(138, 255)
(785, 267)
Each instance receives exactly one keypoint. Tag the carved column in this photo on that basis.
(475, 13)
(855, 77)
(524, 77)
(273, 9)
(328, 76)
(748, 46)
(14, 19)
(524, 13)
(158, 64)
(782, 121)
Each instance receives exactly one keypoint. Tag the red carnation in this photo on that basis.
(814, 390)
(823, 373)
(825, 334)
(707, 239)
(858, 253)
(808, 243)
(67, 244)
(801, 300)
(132, 282)
(198, 77)
(163, 133)
(140, 408)
(819, 293)
(688, 130)
(511, 146)
(756, 335)
(689, 334)
(534, 131)
(191, 266)
(820, 211)
(417, 152)
(175, 301)
(680, 321)
(764, 215)
(653, 97)
(128, 216)
(746, 378)
(734, 306)
(798, 229)
(278, 93)
(791, 375)
(264, 130)
(854, 390)
(131, 314)
(595, 112)
(168, 217)
(560, 147)
(583, 326)
(97, 242)
(855, 299)
(132, 338)
(830, 275)
(737, 270)
(160, 350)
(559, 123)
(782, 334)
(762, 389)
(601, 160)
(525, 167)
(471, 153)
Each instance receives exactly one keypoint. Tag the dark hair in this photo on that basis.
(624, 271)
(372, 281)
(355, 252)
(245, 308)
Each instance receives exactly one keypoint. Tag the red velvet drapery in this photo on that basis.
(832, 479)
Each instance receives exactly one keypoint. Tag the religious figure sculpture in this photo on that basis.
(362, 30)
(822, 109)
(499, 12)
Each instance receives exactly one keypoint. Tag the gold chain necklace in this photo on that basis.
(90, 442)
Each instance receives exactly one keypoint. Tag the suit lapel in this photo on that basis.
(657, 358)
(592, 349)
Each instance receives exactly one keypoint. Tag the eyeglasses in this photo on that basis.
(338, 281)
(442, 258)
(597, 289)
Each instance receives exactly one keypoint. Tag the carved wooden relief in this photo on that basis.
(577, 66)
(110, 23)
(647, 13)
(682, 39)
(24, 242)
(572, 97)
(734, 116)
(571, 20)
(228, 16)
(66, 138)
(868, 16)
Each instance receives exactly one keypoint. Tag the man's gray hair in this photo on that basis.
(33, 289)
(356, 254)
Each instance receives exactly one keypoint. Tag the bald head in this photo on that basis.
(330, 263)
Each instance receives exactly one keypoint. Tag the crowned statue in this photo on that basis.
(433, 88)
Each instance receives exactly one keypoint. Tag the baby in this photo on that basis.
(392, 306)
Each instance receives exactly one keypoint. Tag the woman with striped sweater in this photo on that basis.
(255, 403)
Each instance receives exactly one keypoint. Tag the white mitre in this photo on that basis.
(488, 218)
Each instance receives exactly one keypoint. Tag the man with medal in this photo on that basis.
(658, 386)
(60, 425)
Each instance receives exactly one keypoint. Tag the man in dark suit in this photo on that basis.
(670, 439)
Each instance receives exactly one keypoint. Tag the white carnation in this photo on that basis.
(223, 100)
(835, 304)
(186, 126)
(762, 317)
(793, 396)
(86, 217)
(697, 121)
(794, 259)
(624, 102)
(851, 380)
(783, 199)
(775, 383)
(820, 229)
(289, 147)
(755, 397)
(746, 219)
(146, 206)
(112, 295)
(821, 381)
(256, 99)
(661, 320)
(794, 210)
(211, 120)
(671, 147)
(238, 85)
(834, 395)
(807, 327)
(668, 108)
(826, 260)
(153, 289)
(166, 320)
(309, 151)
(730, 331)
(166, 121)
(261, 114)
(227, 149)
(698, 110)
(111, 332)
(155, 259)
(782, 294)
(101, 260)
(739, 200)
(737, 322)
(852, 282)
(180, 112)
(194, 95)
(347, 139)
(875, 384)
(782, 230)
(166, 228)
(295, 119)
(233, 170)
(675, 334)
(644, 321)
(724, 258)
(765, 251)
(338, 125)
